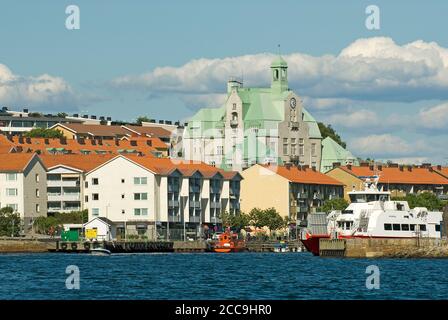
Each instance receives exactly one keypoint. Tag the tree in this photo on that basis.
(328, 131)
(425, 199)
(266, 218)
(238, 221)
(334, 204)
(10, 222)
(43, 224)
(44, 133)
(62, 115)
(142, 119)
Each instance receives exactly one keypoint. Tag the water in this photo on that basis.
(218, 276)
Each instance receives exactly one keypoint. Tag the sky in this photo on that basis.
(385, 91)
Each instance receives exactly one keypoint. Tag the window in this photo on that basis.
(405, 227)
(140, 180)
(438, 227)
(37, 193)
(387, 226)
(95, 196)
(95, 212)
(14, 206)
(122, 196)
(123, 211)
(412, 227)
(86, 198)
(423, 227)
(95, 181)
(396, 227)
(12, 192)
(37, 177)
(140, 211)
(37, 208)
(140, 196)
(11, 176)
(285, 146)
(122, 180)
(220, 150)
(313, 149)
(86, 184)
(234, 106)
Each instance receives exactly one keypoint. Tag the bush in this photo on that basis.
(44, 133)
(43, 224)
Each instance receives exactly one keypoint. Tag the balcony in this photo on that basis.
(333, 196)
(196, 219)
(195, 189)
(442, 196)
(302, 195)
(215, 205)
(173, 203)
(62, 183)
(174, 218)
(195, 204)
(301, 209)
(318, 196)
(215, 220)
(63, 197)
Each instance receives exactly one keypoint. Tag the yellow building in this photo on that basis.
(293, 191)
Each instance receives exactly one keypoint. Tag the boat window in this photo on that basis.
(438, 227)
(347, 211)
(400, 206)
(405, 227)
(412, 227)
(396, 227)
(423, 227)
(387, 226)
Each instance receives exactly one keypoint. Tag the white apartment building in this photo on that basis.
(23, 184)
(158, 198)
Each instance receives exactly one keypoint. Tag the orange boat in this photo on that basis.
(229, 242)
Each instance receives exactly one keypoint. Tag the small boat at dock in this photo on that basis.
(100, 252)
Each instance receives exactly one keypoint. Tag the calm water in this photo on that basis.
(218, 276)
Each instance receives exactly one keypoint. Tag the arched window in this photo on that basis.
(276, 74)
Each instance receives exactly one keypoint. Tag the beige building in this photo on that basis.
(400, 180)
(293, 191)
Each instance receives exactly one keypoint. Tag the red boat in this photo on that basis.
(311, 242)
(229, 242)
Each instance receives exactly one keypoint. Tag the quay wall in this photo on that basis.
(25, 246)
(396, 248)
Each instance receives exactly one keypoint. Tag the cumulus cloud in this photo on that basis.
(39, 91)
(367, 69)
(435, 117)
(357, 119)
(386, 145)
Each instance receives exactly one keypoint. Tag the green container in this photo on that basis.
(71, 235)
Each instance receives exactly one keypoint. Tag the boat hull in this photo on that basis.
(311, 243)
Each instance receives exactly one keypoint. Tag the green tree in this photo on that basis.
(10, 222)
(142, 119)
(266, 218)
(425, 199)
(328, 131)
(44, 133)
(238, 221)
(334, 204)
(62, 115)
(43, 224)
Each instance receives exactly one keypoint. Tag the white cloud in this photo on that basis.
(367, 69)
(386, 145)
(356, 119)
(39, 91)
(435, 117)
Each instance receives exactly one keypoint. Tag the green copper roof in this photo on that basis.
(333, 152)
(279, 62)
(312, 125)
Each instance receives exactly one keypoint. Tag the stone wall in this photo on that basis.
(25, 246)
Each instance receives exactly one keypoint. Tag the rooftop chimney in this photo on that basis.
(288, 166)
(364, 164)
(401, 167)
(75, 115)
(439, 167)
(86, 116)
(161, 121)
(380, 167)
(371, 168)
(25, 110)
(109, 118)
(20, 139)
(133, 143)
(93, 117)
(117, 142)
(149, 143)
(47, 141)
(409, 168)
(28, 140)
(393, 165)
(349, 166)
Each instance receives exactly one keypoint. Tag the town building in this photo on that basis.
(23, 186)
(16, 122)
(159, 198)
(293, 191)
(255, 125)
(400, 180)
(332, 152)
(66, 178)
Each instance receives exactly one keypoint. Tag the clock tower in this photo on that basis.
(279, 69)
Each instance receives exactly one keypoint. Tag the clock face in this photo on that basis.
(293, 103)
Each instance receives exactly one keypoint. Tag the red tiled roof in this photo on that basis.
(15, 162)
(149, 130)
(397, 176)
(94, 129)
(303, 175)
(82, 162)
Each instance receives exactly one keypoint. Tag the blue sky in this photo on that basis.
(115, 65)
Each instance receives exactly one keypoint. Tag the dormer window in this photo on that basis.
(234, 106)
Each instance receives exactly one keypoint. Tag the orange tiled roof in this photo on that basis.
(304, 175)
(397, 176)
(14, 162)
(442, 170)
(139, 145)
(166, 166)
(82, 162)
